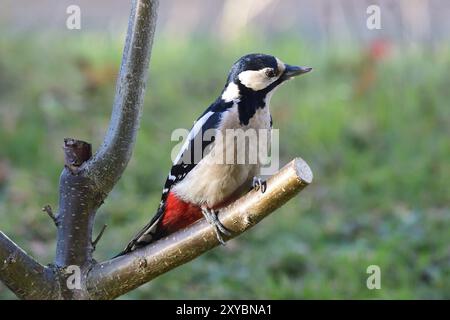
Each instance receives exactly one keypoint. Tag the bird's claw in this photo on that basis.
(211, 216)
(259, 184)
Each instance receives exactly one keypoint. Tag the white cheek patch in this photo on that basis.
(256, 79)
(231, 92)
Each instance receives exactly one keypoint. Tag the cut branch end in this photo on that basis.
(76, 152)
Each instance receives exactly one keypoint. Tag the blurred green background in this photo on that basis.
(372, 120)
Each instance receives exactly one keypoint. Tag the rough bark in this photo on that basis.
(23, 275)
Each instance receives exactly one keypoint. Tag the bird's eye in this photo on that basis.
(270, 73)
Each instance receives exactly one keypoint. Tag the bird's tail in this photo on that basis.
(148, 234)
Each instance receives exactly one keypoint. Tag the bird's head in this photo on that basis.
(258, 74)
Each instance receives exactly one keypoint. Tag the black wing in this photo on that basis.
(185, 162)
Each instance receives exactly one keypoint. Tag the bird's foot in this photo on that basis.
(259, 184)
(211, 216)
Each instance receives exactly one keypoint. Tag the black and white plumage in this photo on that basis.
(197, 182)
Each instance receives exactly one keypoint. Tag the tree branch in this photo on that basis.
(111, 159)
(86, 181)
(48, 209)
(115, 277)
(22, 274)
(100, 235)
(78, 202)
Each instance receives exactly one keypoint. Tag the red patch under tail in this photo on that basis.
(178, 215)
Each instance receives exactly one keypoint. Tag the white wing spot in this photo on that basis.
(197, 127)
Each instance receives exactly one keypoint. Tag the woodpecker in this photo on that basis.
(196, 189)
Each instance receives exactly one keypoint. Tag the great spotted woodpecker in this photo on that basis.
(200, 187)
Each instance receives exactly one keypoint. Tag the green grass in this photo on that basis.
(381, 193)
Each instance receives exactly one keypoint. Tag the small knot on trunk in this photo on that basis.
(76, 152)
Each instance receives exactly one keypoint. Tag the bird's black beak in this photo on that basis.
(293, 71)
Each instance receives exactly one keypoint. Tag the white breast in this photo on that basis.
(215, 177)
